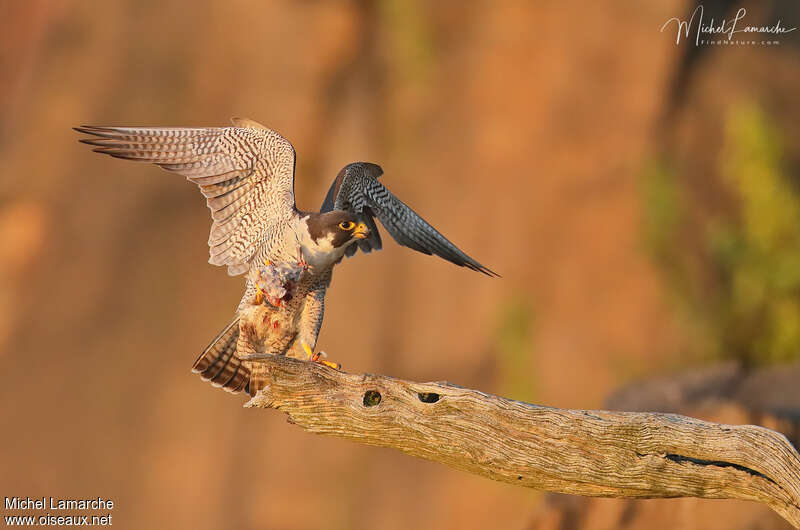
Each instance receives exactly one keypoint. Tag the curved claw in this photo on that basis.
(319, 357)
(329, 364)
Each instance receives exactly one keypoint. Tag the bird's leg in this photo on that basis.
(260, 293)
(317, 357)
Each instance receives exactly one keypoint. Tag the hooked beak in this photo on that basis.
(360, 231)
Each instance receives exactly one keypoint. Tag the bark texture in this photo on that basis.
(594, 453)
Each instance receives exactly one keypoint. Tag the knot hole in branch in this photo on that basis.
(428, 397)
(371, 398)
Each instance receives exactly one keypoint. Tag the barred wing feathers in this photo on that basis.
(246, 173)
(357, 189)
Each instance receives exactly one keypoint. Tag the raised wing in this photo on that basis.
(246, 173)
(357, 189)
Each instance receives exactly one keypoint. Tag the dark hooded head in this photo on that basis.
(328, 236)
(338, 227)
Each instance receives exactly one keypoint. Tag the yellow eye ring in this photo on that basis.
(347, 225)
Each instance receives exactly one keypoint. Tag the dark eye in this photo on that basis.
(347, 225)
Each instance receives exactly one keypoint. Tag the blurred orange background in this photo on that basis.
(520, 130)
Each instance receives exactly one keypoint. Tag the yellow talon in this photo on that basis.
(335, 366)
(316, 357)
(259, 297)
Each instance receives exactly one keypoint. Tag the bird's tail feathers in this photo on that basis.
(218, 363)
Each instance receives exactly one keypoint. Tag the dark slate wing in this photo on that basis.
(357, 189)
(373, 242)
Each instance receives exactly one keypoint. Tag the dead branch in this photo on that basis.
(594, 453)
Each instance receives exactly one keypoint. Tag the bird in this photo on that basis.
(246, 173)
(283, 327)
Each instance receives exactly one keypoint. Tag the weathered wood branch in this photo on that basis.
(595, 453)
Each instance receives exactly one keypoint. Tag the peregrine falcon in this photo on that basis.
(246, 173)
